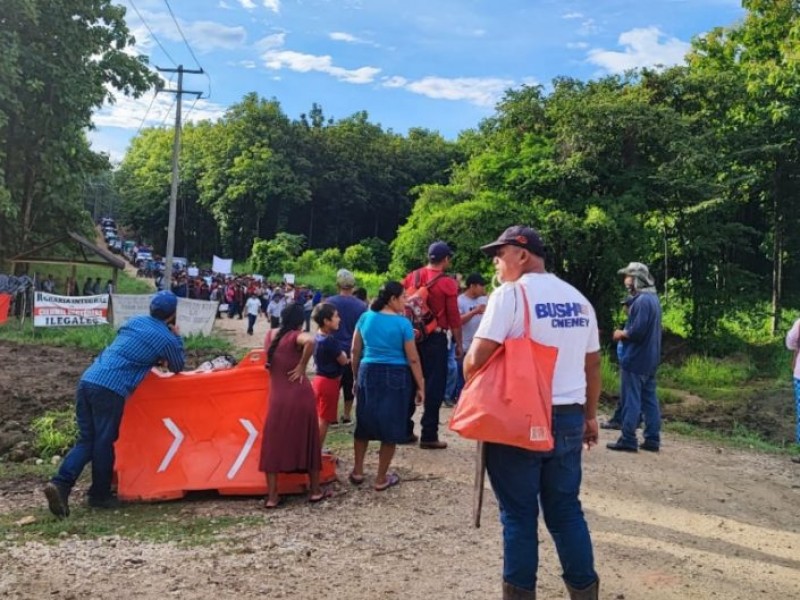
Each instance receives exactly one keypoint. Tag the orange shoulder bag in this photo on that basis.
(510, 399)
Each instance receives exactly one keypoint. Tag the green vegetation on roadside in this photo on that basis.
(739, 437)
(160, 523)
(55, 432)
(94, 339)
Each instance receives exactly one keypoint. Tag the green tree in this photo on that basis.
(359, 257)
(61, 61)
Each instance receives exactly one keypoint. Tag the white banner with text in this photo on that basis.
(50, 310)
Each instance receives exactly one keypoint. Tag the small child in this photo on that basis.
(330, 359)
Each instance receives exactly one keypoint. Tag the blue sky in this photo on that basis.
(439, 64)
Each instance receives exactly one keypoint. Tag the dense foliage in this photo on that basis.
(256, 173)
(693, 170)
(60, 60)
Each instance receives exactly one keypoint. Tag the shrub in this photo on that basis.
(380, 251)
(359, 258)
(56, 432)
(332, 257)
(307, 262)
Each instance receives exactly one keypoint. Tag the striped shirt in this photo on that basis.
(142, 343)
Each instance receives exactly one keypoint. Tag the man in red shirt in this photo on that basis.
(443, 303)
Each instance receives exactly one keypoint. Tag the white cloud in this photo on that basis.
(480, 91)
(276, 59)
(588, 27)
(276, 40)
(577, 45)
(223, 4)
(394, 82)
(247, 4)
(340, 36)
(643, 47)
(572, 15)
(305, 63)
(246, 64)
(204, 36)
(273, 5)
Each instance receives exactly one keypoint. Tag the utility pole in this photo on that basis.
(176, 152)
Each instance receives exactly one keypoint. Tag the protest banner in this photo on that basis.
(194, 316)
(50, 310)
(222, 265)
(128, 305)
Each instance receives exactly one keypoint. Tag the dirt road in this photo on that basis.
(693, 522)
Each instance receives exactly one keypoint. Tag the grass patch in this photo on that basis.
(609, 374)
(160, 523)
(739, 437)
(711, 378)
(56, 432)
(94, 339)
(11, 471)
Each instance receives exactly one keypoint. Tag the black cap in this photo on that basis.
(520, 236)
(475, 279)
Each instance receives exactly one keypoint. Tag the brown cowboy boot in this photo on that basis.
(590, 593)
(512, 592)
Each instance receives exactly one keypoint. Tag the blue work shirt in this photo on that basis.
(350, 310)
(142, 343)
(642, 353)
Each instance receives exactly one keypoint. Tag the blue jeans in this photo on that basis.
(521, 480)
(452, 373)
(433, 356)
(639, 400)
(797, 406)
(98, 411)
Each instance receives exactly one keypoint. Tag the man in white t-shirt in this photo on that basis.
(523, 480)
(253, 307)
(471, 306)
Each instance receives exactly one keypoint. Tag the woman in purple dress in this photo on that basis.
(290, 443)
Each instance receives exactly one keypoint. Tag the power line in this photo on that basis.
(144, 118)
(174, 100)
(153, 35)
(172, 14)
(191, 108)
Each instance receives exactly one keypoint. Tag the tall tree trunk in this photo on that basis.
(777, 252)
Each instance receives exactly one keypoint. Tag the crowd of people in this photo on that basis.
(385, 362)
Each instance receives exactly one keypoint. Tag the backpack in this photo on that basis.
(423, 321)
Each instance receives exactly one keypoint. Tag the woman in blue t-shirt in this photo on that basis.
(388, 375)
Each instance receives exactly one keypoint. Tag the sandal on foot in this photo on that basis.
(269, 506)
(324, 495)
(392, 479)
(355, 479)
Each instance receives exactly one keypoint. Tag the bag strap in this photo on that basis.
(527, 317)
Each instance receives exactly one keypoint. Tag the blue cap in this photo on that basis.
(164, 302)
(439, 250)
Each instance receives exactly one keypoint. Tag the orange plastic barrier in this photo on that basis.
(200, 431)
(5, 305)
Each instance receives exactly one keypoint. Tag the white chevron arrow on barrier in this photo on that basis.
(252, 434)
(176, 443)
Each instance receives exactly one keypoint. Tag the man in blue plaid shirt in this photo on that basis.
(142, 343)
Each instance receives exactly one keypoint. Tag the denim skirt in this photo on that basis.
(385, 393)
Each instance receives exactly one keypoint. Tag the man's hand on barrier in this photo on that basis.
(589, 434)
